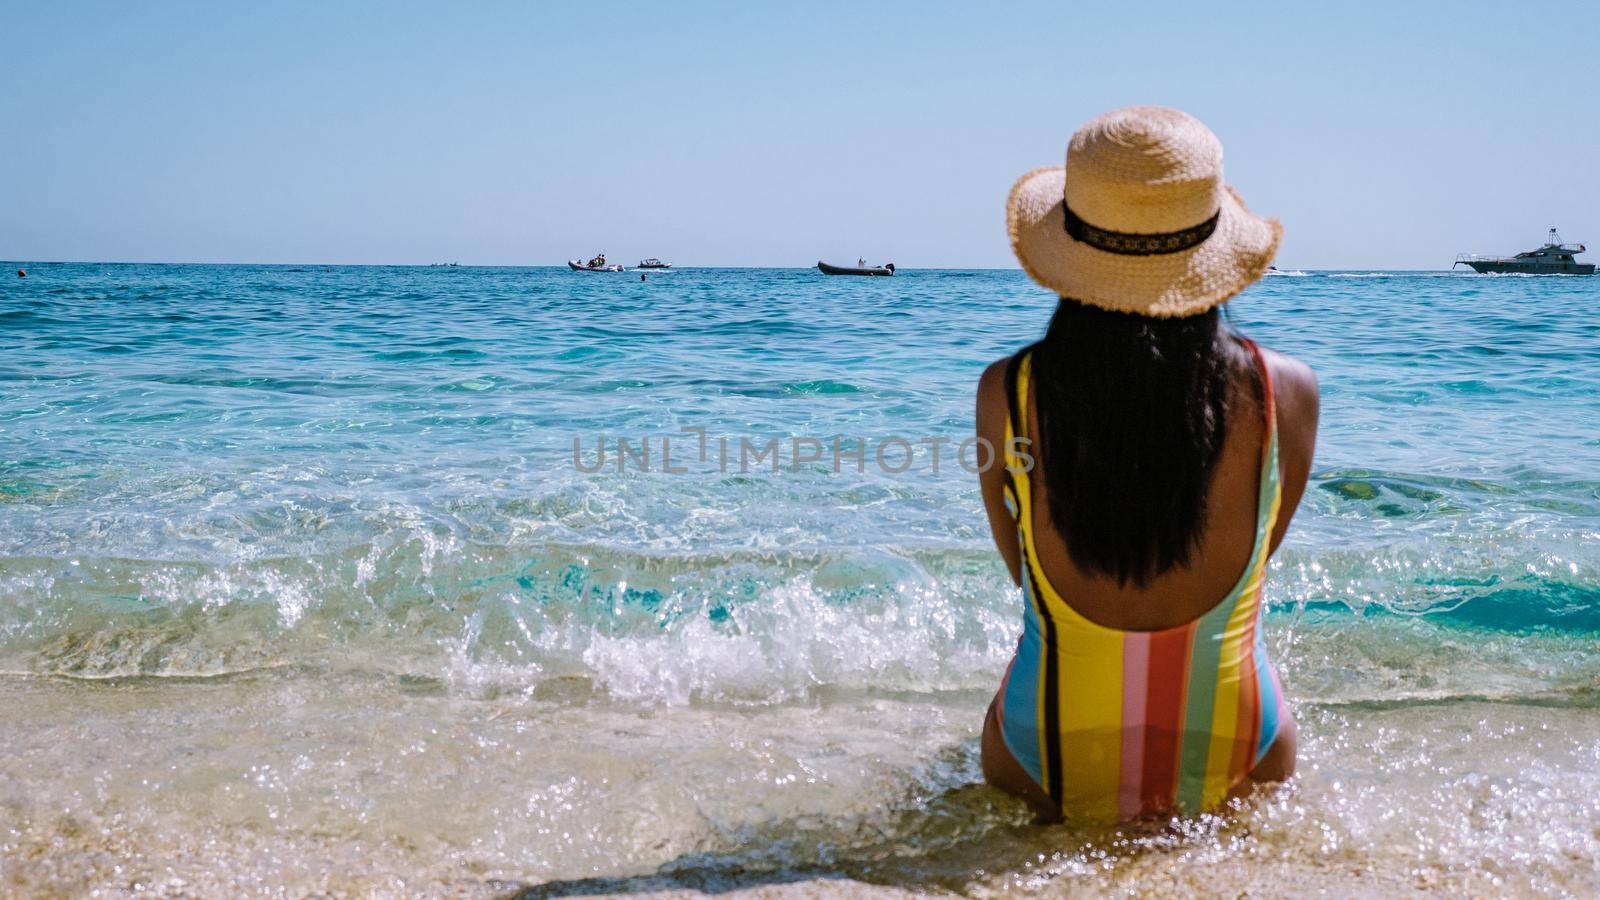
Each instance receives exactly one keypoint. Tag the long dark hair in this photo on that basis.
(1132, 416)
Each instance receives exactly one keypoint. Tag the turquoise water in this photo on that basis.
(358, 485)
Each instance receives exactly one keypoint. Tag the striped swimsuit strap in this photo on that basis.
(1116, 724)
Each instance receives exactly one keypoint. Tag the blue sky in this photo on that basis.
(1384, 135)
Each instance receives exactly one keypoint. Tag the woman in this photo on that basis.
(1154, 459)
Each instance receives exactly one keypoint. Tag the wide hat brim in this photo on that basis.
(1165, 285)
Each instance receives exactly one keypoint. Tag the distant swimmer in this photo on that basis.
(643, 277)
(22, 273)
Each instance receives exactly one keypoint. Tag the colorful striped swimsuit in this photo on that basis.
(1116, 725)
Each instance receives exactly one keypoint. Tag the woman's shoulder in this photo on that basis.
(994, 376)
(1294, 385)
(993, 403)
(1298, 407)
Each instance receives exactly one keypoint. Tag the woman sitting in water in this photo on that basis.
(1153, 459)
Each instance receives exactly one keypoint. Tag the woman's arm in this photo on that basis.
(991, 417)
(1299, 405)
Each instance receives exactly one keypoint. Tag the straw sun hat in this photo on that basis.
(1139, 220)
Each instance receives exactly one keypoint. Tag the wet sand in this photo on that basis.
(280, 783)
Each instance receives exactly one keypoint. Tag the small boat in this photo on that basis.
(830, 269)
(652, 263)
(585, 267)
(1554, 258)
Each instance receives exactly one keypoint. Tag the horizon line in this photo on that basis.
(675, 266)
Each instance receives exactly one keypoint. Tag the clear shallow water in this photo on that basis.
(301, 566)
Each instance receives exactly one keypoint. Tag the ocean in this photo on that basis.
(334, 579)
